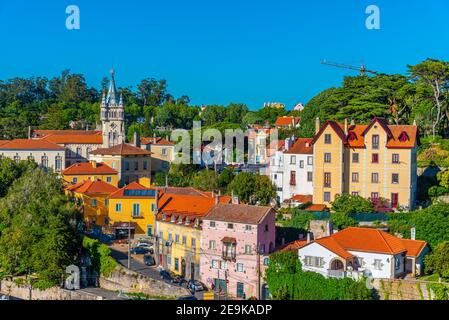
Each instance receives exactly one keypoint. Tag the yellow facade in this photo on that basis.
(94, 207)
(353, 170)
(109, 178)
(182, 255)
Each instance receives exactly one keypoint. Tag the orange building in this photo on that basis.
(90, 171)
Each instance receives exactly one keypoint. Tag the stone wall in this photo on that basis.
(403, 289)
(129, 281)
(55, 293)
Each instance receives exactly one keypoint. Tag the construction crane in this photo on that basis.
(362, 69)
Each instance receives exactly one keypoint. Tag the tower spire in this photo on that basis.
(112, 93)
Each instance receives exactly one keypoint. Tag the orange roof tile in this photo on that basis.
(156, 140)
(30, 144)
(89, 168)
(302, 198)
(301, 146)
(74, 138)
(92, 187)
(331, 244)
(43, 133)
(316, 207)
(287, 121)
(414, 247)
(293, 246)
(2, 142)
(123, 149)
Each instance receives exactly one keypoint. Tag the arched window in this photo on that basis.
(58, 163)
(44, 161)
(17, 158)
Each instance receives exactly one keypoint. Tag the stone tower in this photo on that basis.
(112, 116)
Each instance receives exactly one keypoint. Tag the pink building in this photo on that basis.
(235, 243)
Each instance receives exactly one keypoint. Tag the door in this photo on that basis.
(192, 271)
(183, 268)
(394, 200)
(240, 290)
(220, 286)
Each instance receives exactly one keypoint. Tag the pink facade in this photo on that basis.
(229, 255)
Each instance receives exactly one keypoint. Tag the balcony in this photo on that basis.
(338, 274)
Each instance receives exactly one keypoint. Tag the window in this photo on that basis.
(292, 159)
(136, 210)
(149, 230)
(395, 178)
(153, 207)
(74, 180)
(239, 267)
(193, 243)
(136, 165)
(169, 259)
(184, 240)
(313, 261)
(327, 157)
(170, 237)
(375, 141)
(355, 158)
(223, 265)
(266, 261)
(310, 161)
(301, 164)
(397, 263)
(377, 264)
(176, 238)
(127, 166)
(262, 248)
(247, 227)
(176, 264)
(248, 249)
(374, 177)
(230, 226)
(164, 152)
(240, 290)
(374, 195)
(355, 193)
(145, 165)
(327, 197)
(44, 161)
(30, 157)
(360, 261)
(266, 228)
(212, 224)
(327, 139)
(355, 177)
(93, 202)
(327, 179)
(58, 163)
(395, 158)
(375, 158)
(215, 264)
(108, 179)
(212, 245)
(106, 202)
(309, 176)
(118, 207)
(293, 178)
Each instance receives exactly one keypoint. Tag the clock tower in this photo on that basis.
(112, 116)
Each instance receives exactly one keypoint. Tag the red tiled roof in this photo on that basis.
(414, 247)
(293, 246)
(2, 142)
(123, 149)
(89, 168)
(157, 140)
(74, 138)
(302, 198)
(301, 146)
(316, 207)
(44, 133)
(30, 144)
(92, 187)
(120, 193)
(331, 244)
(239, 213)
(287, 121)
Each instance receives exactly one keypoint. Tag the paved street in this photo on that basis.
(119, 253)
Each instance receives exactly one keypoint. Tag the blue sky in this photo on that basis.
(221, 51)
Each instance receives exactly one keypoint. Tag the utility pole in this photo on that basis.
(218, 288)
(258, 271)
(156, 242)
(129, 244)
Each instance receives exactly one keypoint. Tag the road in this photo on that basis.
(120, 254)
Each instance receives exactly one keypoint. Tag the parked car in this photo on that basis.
(148, 260)
(144, 244)
(186, 298)
(178, 280)
(165, 275)
(139, 250)
(195, 286)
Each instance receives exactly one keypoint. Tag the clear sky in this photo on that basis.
(221, 51)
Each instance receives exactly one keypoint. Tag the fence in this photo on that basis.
(359, 217)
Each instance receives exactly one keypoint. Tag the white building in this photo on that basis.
(291, 168)
(356, 252)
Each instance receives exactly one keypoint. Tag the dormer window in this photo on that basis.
(187, 221)
(403, 137)
(180, 220)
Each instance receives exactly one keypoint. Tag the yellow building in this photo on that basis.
(93, 171)
(179, 230)
(134, 204)
(162, 152)
(92, 196)
(375, 161)
(131, 162)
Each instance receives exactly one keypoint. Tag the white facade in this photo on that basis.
(291, 171)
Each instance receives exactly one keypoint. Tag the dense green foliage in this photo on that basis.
(431, 223)
(100, 255)
(347, 204)
(252, 189)
(39, 226)
(438, 261)
(287, 281)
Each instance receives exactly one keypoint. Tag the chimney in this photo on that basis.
(94, 164)
(414, 122)
(317, 125)
(308, 237)
(29, 132)
(413, 233)
(346, 126)
(136, 139)
(287, 144)
(352, 122)
(234, 198)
